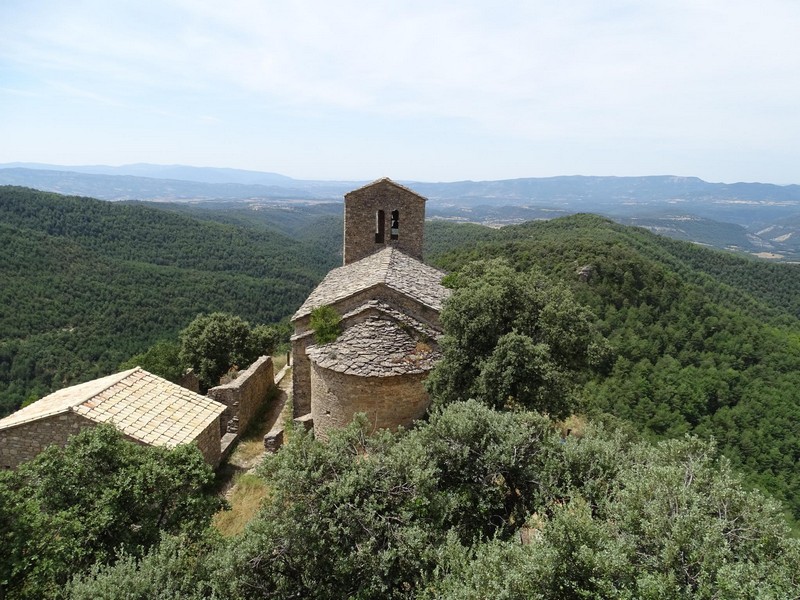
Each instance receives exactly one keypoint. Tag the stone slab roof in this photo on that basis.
(141, 405)
(377, 347)
(389, 267)
(379, 308)
(386, 181)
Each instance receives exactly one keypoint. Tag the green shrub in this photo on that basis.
(325, 322)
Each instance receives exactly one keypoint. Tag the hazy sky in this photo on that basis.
(431, 90)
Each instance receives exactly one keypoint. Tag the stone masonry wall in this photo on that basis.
(23, 442)
(388, 401)
(360, 209)
(301, 374)
(209, 443)
(301, 367)
(244, 395)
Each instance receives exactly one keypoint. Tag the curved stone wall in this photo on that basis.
(387, 401)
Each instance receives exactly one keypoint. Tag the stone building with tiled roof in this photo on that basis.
(145, 408)
(389, 301)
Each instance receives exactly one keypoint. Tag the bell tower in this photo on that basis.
(383, 213)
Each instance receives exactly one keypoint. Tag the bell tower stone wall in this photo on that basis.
(382, 214)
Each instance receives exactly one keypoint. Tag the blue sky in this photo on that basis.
(433, 90)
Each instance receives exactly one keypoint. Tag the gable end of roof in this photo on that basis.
(385, 181)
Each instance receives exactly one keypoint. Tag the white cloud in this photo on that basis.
(703, 72)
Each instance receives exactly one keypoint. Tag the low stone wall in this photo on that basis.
(22, 443)
(274, 439)
(388, 401)
(245, 395)
(190, 381)
(301, 374)
(209, 443)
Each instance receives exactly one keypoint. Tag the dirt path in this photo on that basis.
(249, 450)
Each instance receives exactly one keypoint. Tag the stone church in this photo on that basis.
(389, 302)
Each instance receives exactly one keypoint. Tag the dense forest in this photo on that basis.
(704, 342)
(86, 284)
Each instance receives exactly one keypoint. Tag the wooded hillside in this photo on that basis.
(86, 284)
(705, 342)
(473, 502)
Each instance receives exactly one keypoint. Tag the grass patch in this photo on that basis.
(247, 450)
(285, 418)
(251, 441)
(245, 499)
(278, 361)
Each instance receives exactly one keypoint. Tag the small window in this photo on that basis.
(380, 224)
(395, 231)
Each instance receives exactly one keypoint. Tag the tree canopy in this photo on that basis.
(704, 341)
(325, 322)
(477, 503)
(75, 506)
(162, 359)
(87, 284)
(514, 339)
(215, 343)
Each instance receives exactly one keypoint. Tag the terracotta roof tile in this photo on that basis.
(140, 404)
(63, 400)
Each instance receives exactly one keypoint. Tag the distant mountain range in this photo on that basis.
(756, 218)
(123, 186)
(178, 172)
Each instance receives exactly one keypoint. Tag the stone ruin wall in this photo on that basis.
(361, 207)
(209, 443)
(389, 402)
(245, 395)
